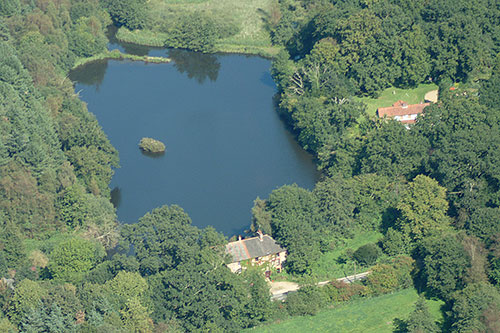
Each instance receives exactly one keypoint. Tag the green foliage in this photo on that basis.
(336, 204)
(382, 280)
(367, 254)
(259, 308)
(163, 239)
(129, 13)
(394, 151)
(338, 292)
(74, 257)
(197, 31)
(86, 38)
(483, 222)
(73, 206)
(420, 320)
(43, 318)
(261, 218)
(490, 89)
(423, 208)
(135, 317)
(396, 242)
(307, 301)
(6, 326)
(375, 314)
(9, 7)
(386, 278)
(152, 145)
(27, 294)
(445, 264)
(190, 291)
(293, 212)
(11, 245)
(476, 308)
(127, 285)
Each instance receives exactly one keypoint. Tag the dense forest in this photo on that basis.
(432, 191)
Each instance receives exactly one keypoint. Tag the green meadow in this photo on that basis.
(375, 314)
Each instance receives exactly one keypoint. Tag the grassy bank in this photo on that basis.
(250, 15)
(364, 315)
(392, 95)
(117, 55)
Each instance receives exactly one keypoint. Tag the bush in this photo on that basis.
(307, 301)
(151, 145)
(382, 280)
(338, 291)
(367, 254)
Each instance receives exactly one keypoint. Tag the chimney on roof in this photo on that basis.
(261, 236)
(404, 105)
(239, 237)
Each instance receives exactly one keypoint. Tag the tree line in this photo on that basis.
(432, 189)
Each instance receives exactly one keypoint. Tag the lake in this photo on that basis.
(226, 144)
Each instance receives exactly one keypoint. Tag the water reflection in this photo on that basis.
(152, 155)
(116, 197)
(197, 66)
(91, 74)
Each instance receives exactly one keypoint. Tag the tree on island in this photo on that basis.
(150, 145)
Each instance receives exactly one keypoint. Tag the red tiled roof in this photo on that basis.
(401, 108)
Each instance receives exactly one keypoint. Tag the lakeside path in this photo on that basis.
(279, 290)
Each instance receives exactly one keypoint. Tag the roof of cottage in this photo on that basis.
(401, 108)
(254, 247)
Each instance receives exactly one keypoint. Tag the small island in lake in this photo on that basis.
(150, 145)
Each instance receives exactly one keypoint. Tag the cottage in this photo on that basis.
(260, 250)
(402, 112)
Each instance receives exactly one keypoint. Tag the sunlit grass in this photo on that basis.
(391, 95)
(362, 315)
(249, 15)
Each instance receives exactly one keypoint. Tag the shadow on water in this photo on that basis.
(198, 66)
(91, 74)
(116, 196)
(152, 155)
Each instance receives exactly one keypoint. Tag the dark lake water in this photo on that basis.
(225, 143)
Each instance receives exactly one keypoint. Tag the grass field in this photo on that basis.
(392, 95)
(362, 315)
(253, 38)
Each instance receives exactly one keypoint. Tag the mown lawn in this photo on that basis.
(392, 95)
(363, 315)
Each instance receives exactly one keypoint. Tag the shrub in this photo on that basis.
(151, 145)
(367, 254)
(307, 301)
(382, 280)
(338, 291)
